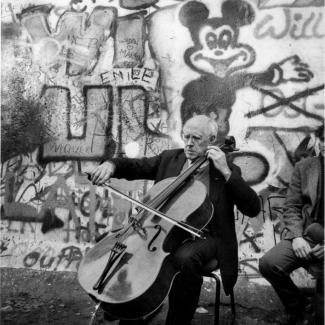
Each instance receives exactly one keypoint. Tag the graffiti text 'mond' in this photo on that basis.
(78, 136)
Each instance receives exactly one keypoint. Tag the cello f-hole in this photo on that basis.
(152, 249)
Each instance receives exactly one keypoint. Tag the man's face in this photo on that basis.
(196, 139)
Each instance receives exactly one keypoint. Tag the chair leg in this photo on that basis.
(217, 298)
(232, 301)
(233, 308)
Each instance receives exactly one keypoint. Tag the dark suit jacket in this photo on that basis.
(303, 197)
(224, 195)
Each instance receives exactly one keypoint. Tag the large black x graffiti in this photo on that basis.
(287, 101)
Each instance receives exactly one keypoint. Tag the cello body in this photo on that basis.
(141, 268)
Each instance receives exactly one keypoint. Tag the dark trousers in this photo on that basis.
(276, 266)
(184, 295)
(190, 258)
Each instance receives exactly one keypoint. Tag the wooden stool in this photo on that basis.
(208, 270)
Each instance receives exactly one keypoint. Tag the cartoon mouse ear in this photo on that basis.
(239, 12)
(193, 13)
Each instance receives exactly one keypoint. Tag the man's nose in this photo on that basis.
(189, 141)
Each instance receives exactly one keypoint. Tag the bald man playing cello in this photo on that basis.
(225, 187)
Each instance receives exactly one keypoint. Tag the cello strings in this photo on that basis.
(158, 213)
(177, 183)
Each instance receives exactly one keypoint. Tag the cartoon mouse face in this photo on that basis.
(216, 49)
(220, 54)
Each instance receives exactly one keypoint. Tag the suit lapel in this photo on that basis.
(177, 164)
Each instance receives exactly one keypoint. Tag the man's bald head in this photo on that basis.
(208, 126)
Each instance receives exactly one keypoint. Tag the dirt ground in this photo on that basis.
(42, 297)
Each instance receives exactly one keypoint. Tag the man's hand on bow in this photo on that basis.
(102, 173)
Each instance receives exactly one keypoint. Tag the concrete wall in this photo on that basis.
(91, 79)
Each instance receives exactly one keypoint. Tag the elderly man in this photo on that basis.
(226, 188)
(303, 234)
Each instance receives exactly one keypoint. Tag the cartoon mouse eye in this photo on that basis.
(225, 39)
(211, 40)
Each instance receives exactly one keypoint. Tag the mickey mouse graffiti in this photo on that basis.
(221, 59)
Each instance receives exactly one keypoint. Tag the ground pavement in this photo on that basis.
(42, 297)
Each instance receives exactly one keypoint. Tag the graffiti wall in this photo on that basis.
(83, 81)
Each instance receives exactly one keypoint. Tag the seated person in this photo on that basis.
(302, 243)
(226, 188)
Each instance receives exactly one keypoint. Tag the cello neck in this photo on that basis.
(159, 199)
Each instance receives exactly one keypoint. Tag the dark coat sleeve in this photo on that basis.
(244, 197)
(292, 217)
(131, 169)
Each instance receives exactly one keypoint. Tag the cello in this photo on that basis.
(130, 272)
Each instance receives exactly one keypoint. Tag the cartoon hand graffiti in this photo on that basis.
(293, 69)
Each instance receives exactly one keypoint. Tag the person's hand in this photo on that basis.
(218, 158)
(301, 248)
(318, 251)
(102, 173)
